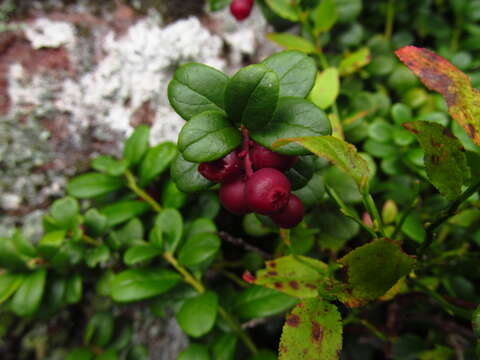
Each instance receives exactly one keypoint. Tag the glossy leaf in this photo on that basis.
(455, 86)
(156, 161)
(326, 88)
(172, 197)
(93, 184)
(97, 255)
(339, 152)
(445, 159)
(251, 96)
(284, 9)
(99, 330)
(9, 283)
(51, 242)
(295, 70)
(354, 61)
(369, 279)
(186, 175)
(27, 299)
(199, 250)
(139, 284)
(196, 88)
(325, 16)
(197, 315)
(109, 165)
(95, 222)
(258, 302)
(293, 117)
(122, 211)
(224, 347)
(136, 145)
(207, 137)
(312, 331)
(292, 42)
(170, 222)
(74, 289)
(294, 275)
(139, 253)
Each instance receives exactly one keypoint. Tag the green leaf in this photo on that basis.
(265, 355)
(122, 211)
(97, 255)
(138, 352)
(74, 289)
(80, 354)
(109, 165)
(140, 253)
(70, 253)
(216, 5)
(292, 42)
(258, 302)
(136, 145)
(284, 9)
(26, 300)
(172, 197)
(51, 242)
(156, 161)
(301, 172)
(313, 192)
(326, 88)
(455, 86)
(251, 96)
(200, 225)
(199, 250)
(293, 117)
(295, 70)
(186, 175)
(224, 347)
(196, 88)
(99, 330)
(10, 257)
(325, 16)
(369, 279)
(295, 275)
(197, 315)
(22, 245)
(93, 184)
(445, 159)
(476, 322)
(138, 284)
(207, 137)
(194, 352)
(170, 222)
(354, 61)
(9, 283)
(132, 233)
(107, 355)
(95, 222)
(312, 331)
(339, 152)
(348, 10)
(65, 211)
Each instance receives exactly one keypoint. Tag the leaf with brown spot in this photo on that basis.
(312, 331)
(445, 160)
(298, 276)
(373, 269)
(439, 75)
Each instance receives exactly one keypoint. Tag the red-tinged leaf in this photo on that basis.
(439, 75)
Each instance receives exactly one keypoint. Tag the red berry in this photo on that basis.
(232, 196)
(267, 191)
(291, 215)
(266, 158)
(222, 170)
(241, 9)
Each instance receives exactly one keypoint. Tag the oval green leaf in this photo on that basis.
(123, 211)
(139, 284)
(207, 137)
(140, 253)
(199, 250)
(156, 161)
(196, 88)
(197, 315)
(170, 223)
(326, 88)
(93, 184)
(186, 175)
(26, 300)
(136, 145)
(292, 42)
(194, 352)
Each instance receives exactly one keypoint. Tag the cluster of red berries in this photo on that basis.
(241, 9)
(251, 180)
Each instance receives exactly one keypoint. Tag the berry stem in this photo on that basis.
(246, 152)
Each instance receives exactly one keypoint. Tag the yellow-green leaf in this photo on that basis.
(292, 42)
(326, 88)
(354, 61)
(325, 16)
(284, 9)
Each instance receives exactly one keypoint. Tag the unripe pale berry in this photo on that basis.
(222, 170)
(291, 215)
(241, 9)
(267, 191)
(266, 158)
(232, 196)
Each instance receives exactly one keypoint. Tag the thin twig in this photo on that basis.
(242, 243)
